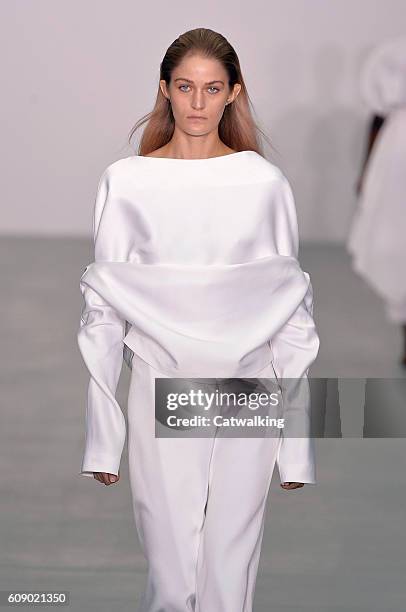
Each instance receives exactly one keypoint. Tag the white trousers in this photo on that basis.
(199, 508)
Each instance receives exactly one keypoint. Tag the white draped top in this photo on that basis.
(195, 270)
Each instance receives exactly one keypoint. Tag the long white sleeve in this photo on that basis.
(100, 339)
(294, 347)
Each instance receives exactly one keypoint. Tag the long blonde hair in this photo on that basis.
(237, 128)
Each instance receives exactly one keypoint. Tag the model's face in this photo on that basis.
(199, 87)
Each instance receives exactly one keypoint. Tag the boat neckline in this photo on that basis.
(196, 159)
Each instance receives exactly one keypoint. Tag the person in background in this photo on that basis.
(376, 239)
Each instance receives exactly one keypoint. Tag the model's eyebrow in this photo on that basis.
(189, 81)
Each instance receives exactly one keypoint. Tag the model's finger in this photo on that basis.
(292, 485)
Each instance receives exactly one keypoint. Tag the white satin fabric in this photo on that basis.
(200, 258)
(376, 239)
(383, 81)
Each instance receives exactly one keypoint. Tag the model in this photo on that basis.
(376, 240)
(195, 274)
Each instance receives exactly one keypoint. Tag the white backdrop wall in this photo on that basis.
(76, 76)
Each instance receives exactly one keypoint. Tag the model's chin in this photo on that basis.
(196, 130)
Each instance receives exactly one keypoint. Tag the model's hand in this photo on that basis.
(292, 485)
(106, 478)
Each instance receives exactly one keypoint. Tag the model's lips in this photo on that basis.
(195, 117)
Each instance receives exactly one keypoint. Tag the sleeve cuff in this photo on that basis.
(110, 465)
(296, 460)
(297, 472)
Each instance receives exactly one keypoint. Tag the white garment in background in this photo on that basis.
(377, 234)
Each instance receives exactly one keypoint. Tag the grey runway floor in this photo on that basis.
(334, 547)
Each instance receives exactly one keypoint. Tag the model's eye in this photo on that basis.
(212, 87)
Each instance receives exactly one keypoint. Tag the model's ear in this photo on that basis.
(236, 91)
(164, 88)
